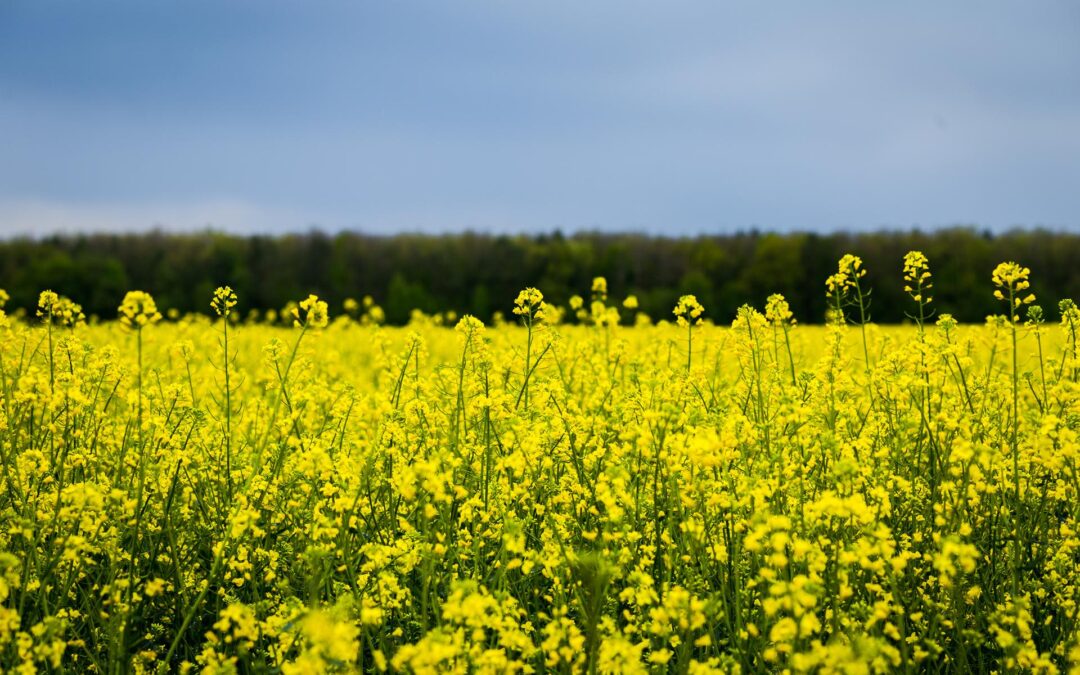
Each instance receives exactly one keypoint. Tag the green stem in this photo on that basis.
(228, 412)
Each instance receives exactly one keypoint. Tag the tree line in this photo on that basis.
(481, 274)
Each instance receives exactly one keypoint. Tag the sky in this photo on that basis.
(671, 116)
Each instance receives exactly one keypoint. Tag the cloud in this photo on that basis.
(677, 116)
(39, 218)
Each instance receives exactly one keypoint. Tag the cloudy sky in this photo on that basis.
(673, 116)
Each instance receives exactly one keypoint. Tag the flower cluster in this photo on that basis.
(470, 327)
(528, 303)
(223, 301)
(849, 271)
(310, 312)
(599, 289)
(917, 276)
(777, 310)
(1011, 281)
(60, 309)
(688, 311)
(138, 310)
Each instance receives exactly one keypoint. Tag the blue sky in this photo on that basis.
(674, 116)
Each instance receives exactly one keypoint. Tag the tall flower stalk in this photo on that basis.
(918, 283)
(529, 306)
(688, 313)
(138, 311)
(1012, 281)
(846, 290)
(46, 302)
(223, 302)
(779, 315)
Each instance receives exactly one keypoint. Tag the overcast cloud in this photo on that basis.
(674, 117)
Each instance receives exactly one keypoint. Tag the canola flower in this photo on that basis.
(599, 289)
(62, 310)
(223, 301)
(779, 315)
(310, 312)
(688, 313)
(918, 284)
(230, 494)
(138, 310)
(917, 276)
(1011, 280)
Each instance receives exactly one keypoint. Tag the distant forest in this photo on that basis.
(481, 274)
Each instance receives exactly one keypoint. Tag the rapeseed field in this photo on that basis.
(565, 489)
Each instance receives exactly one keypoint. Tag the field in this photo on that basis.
(549, 493)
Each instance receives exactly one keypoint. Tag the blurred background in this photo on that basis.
(317, 140)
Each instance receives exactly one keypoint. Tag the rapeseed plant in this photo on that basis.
(289, 493)
(688, 313)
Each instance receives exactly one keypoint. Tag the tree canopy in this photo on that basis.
(482, 273)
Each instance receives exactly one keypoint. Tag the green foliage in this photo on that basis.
(468, 272)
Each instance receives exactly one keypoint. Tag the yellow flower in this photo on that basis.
(1011, 275)
(138, 309)
(310, 313)
(688, 310)
(470, 326)
(1011, 280)
(528, 302)
(777, 310)
(65, 311)
(46, 301)
(599, 289)
(238, 624)
(917, 278)
(154, 587)
(224, 300)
